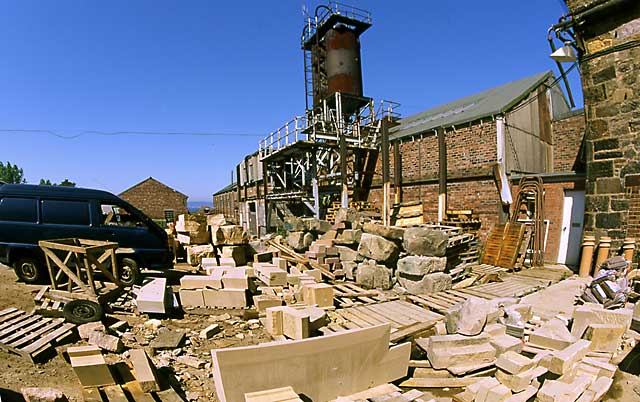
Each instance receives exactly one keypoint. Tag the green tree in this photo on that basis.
(11, 173)
(67, 183)
(63, 183)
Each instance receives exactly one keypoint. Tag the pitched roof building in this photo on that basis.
(157, 200)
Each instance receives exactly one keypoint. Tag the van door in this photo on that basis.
(64, 219)
(130, 230)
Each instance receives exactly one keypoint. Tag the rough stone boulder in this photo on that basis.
(350, 217)
(293, 224)
(347, 254)
(349, 237)
(389, 232)
(420, 265)
(425, 241)
(307, 239)
(296, 240)
(430, 283)
(378, 248)
(231, 235)
(33, 394)
(468, 317)
(316, 225)
(373, 276)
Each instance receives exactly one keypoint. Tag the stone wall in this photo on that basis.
(611, 87)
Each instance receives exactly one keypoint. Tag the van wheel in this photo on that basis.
(29, 269)
(82, 311)
(129, 272)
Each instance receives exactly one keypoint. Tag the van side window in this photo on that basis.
(118, 215)
(65, 212)
(18, 209)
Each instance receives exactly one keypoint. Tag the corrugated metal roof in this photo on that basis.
(484, 104)
(226, 189)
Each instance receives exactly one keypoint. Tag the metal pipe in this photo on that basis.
(397, 172)
(385, 174)
(442, 179)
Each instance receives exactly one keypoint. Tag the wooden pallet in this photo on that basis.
(493, 244)
(483, 269)
(400, 314)
(347, 294)
(512, 285)
(130, 391)
(510, 248)
(29, 334)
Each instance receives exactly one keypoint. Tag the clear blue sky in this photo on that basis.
(225, 67)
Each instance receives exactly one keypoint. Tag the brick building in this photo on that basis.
(225, 202)
(524, 127)
(608, 40)
(157, 200)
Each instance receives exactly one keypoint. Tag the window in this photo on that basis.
(18, 209)
(169, 215)
(65, 212)
(118, 215)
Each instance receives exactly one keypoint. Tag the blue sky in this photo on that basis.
(231, 68)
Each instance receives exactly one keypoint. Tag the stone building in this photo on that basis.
(525, 127)
(608, 40)
(157, 200)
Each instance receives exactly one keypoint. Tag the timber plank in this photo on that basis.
(440, 382)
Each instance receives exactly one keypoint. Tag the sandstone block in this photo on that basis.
(320, 294)
(514, 363)
(604, 337)
(378, 248)
(35, 394)
(105, 341)
(191, 298)
(85, 330)
(557, 391)
(506, 343)
(583, 316)
(425, 241)
(419, 266)
(389, 232)
(566, 358)
(553, 334)
(430, 283)
(201, 281)
(373, 276)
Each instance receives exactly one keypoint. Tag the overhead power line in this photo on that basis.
(125, 132)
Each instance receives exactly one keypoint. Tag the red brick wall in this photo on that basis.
(153, 198)
(470, 150)
(479, 195)
(553, 208)
(226, 204)
(567, 138)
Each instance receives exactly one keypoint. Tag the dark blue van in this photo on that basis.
(29, 213)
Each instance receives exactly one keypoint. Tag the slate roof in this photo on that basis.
(484, 104)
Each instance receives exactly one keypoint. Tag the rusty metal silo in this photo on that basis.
(343, 63)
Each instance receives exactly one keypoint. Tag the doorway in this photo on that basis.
(572, 222)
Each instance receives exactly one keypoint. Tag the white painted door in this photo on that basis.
(572, 220)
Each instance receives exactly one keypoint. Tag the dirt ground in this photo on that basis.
(194, 383)
(197, 384)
